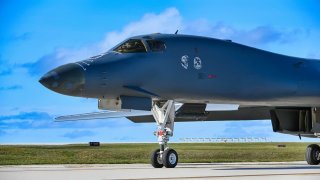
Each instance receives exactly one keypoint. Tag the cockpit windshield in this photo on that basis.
(156, 45)
(131, 46)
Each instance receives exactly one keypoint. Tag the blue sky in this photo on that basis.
(36, 36)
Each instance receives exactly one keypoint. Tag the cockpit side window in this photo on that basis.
(156, 45)
(131, 46)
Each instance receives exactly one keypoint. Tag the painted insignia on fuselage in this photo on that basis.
(184, 61)
(197, 63)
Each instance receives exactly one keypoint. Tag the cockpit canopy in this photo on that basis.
(156, 45)
(131, 46)
(138, 46)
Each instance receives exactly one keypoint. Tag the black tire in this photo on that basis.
(170, 158)
(156, 162)
(312, 153)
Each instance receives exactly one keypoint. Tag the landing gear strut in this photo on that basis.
(164, 114)
(313, 154)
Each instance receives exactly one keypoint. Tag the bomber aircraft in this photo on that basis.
(167, 78)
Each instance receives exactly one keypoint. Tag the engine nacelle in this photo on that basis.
(125, 102)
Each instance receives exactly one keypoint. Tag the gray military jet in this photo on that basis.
(167, 78)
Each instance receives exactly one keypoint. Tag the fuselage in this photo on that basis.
(192, 69)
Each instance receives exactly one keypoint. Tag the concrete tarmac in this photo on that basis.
(224, 171)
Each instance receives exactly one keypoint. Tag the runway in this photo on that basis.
(224, 171)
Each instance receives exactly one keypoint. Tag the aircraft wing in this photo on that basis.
(184, 113)
(103, 115)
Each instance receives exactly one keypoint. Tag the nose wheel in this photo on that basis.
(170, 158)
(313, 154)
(156, 160)
(164, 114)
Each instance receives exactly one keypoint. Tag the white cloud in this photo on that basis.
(314, 55)
(166, 22)
(256, 36)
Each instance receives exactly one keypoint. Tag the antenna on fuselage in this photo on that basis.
(176, 31)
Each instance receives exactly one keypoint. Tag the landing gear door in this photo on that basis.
(316, 121)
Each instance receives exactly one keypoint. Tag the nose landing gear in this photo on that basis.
(164, 114)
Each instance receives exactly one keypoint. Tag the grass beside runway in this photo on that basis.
(140, 153)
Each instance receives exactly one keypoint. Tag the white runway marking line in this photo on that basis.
(231, 176)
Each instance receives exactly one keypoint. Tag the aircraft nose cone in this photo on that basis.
(67, 79)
